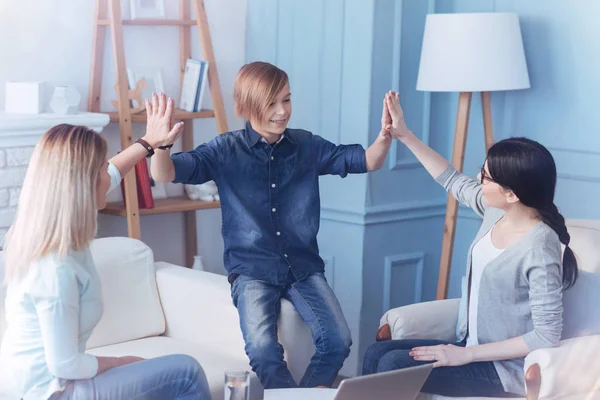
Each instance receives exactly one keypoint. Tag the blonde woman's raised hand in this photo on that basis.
(160, 128)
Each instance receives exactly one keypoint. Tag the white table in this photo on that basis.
(300, 394)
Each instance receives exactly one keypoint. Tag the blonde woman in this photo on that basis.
(54, 297)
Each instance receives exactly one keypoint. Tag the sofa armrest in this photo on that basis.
(429, 320)
(571, 369)
(198, 308)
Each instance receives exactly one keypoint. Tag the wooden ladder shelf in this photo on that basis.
(108, 15)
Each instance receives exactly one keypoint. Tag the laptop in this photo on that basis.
(402, 384)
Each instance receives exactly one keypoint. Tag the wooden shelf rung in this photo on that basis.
(163, 206)
(153, 22)
(179, 115)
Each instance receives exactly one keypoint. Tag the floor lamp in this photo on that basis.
(466, 53)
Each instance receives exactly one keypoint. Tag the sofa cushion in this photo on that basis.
(132, 307)
(579, 319)
(585, 236)
(213, 360)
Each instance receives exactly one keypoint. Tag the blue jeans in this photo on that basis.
(471, 380)
(259, 302)
(170, 377)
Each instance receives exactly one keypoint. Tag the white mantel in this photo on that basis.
(26, 129)
(18, 135)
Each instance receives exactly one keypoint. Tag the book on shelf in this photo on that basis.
(195, 80)
(202, 84)
(144, 189)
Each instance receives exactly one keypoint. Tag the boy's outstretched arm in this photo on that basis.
(377, 152)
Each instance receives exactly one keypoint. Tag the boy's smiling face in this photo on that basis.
(276, 116)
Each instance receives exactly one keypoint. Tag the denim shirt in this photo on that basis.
(269, 197)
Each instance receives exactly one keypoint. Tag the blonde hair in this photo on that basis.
(256, 86)
(57, 206)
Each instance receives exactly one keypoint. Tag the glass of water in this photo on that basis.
(237, 385)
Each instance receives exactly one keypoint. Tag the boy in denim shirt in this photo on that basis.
(268, 180)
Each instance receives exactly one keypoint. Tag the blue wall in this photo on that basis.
(381, 233)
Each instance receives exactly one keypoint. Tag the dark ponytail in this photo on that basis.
(528, 169)
(553, 218)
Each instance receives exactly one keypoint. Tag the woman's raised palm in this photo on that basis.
(398, 130)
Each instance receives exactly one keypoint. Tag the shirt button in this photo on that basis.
(273, 209)
(285, 255)
(278, 233)
(273, 185)
(272, 158)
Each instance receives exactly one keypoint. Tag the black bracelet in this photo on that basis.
(168, 146)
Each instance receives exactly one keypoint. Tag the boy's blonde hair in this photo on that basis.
(256, 86)
(57, 207)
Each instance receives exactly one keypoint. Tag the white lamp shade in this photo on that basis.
(473, 52)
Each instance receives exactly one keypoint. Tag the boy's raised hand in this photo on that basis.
(386, 118)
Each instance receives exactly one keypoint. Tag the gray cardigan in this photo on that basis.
(521, 290)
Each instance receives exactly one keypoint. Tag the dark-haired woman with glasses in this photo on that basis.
(511, 301)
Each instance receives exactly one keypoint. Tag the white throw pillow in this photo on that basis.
(132, 308)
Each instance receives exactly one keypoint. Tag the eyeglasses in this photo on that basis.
(484, 176)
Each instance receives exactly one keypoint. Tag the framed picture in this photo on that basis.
(147, 9)
(154, 81)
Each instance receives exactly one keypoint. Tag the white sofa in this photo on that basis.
(155, 308)
(571, 371)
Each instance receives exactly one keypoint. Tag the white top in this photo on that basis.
(484, 252)
(50, 316)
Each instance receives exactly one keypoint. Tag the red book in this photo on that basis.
(144, 191)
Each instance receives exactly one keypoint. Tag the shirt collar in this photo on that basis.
(262, 139)
(252, 137)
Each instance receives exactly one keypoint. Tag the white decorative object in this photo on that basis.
(141, 9)
(24, 97)
(159, 189)
(472, 52)
(207, 191)
(198, 263)
(154, 81)
(65, 100)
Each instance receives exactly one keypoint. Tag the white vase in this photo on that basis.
(198, 264)
(65, 100)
